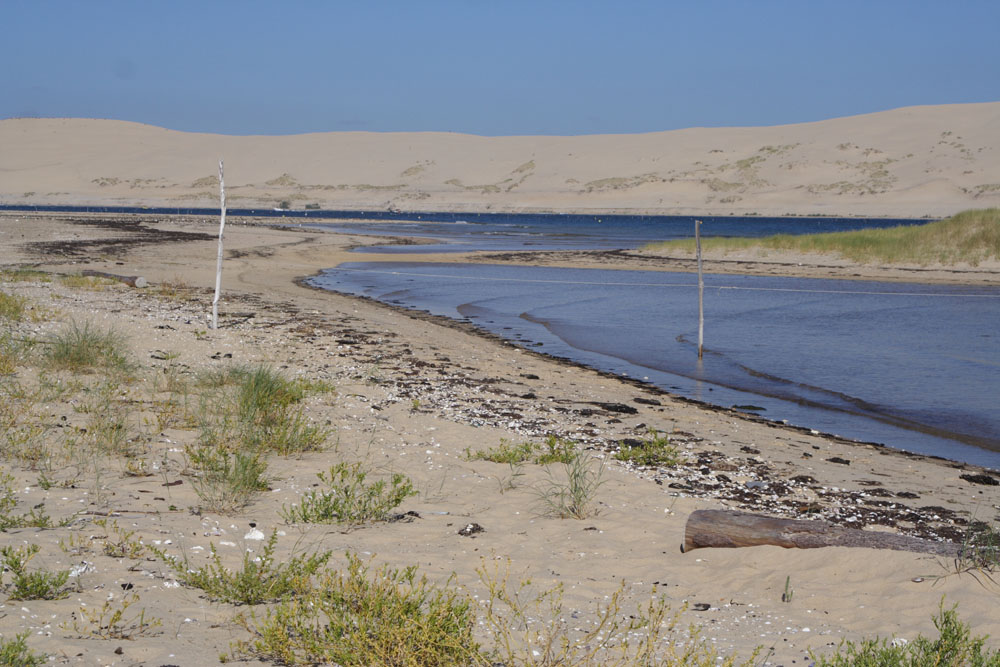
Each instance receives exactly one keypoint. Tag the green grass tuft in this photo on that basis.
(969, 237)
(83, 348)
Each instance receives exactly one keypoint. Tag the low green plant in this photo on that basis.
(389, 617)
(348, 498)
(257, 410)
(954, 647)
(84, 348)
(506, 452)
(35, 518)
(556, 450)
(119, 542)
(12, 307)
(34, 585)
(85, 282)
(553, 450)
(15, 653)
(113, 620)
(228, 481)
(260, 580)
(24, 275)
(654, 451)
(573, 496)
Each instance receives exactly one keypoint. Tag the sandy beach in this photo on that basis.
(413, 394)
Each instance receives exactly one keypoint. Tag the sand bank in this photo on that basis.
(912, 162)
(412, 395)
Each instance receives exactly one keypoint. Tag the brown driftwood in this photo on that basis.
(131, 281)
(727, 529)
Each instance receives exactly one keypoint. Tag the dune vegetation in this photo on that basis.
(969, 237)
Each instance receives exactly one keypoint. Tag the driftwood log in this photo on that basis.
(131, 281)
(727, 529)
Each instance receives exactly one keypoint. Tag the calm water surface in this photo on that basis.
(911, 366)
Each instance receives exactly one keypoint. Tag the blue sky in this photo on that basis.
(491, 68)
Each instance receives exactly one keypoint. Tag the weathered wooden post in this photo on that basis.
(218, 266)
(701, 289)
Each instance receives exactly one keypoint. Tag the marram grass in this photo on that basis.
(969, 237)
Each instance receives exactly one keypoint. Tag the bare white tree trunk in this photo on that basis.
(701, 289)
(218, 266)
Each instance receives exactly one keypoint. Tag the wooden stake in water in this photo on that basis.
(701, 289)
(218, 266)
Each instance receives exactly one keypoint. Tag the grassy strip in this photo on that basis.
(969, 237)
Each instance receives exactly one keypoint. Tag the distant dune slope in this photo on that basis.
(916, 161)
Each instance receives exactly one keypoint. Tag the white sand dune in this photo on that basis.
(915, 161)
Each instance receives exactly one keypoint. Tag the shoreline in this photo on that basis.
(414, 393)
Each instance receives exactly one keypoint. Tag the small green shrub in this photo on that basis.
(573, 497)
(348, 499)
(260, 579)
(390, 617)
(15, 653)
(954, 647)
(36, 585)
(83, 348)
(656, 450)
(554, 450)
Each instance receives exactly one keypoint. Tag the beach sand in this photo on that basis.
(412, 394)
(911, 162)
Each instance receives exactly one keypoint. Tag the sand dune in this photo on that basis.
(916, 161)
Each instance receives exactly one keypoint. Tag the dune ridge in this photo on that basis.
(914, 161)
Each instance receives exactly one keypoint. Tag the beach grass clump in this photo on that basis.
(261, 579)
(257, 409)
(358, 617)
(553, 450)
(227, 481)
(954, 647)
(970, 237)
(84, 348)
(24, 275)
(12, 307)
(85, 282)
(572, 494)
(654, 451)
(33, 585)
(15, 653)
(349, 498)
(979, 556)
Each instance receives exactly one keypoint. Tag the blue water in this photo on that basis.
(913, 366)
(502, 232)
